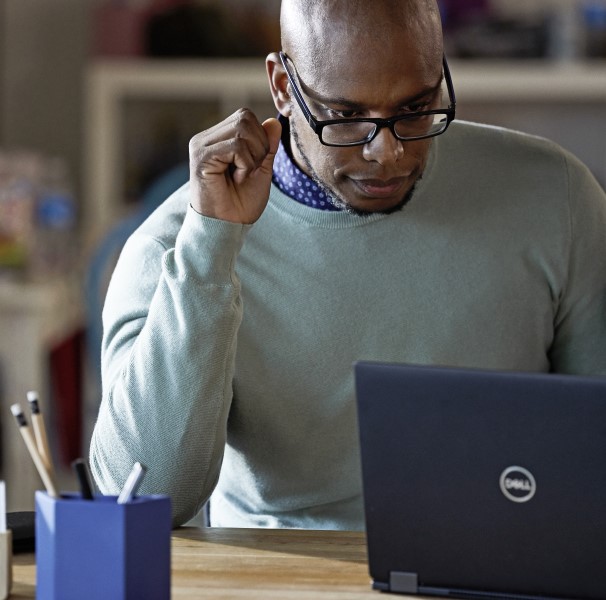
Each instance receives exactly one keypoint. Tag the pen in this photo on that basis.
(86, 490)
(132, 483)
(40, 431)
(26, 434)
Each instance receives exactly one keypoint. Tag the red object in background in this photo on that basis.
(119, 30)
(119, 26)
(66, 388)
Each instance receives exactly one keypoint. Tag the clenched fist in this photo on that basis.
(230, 167)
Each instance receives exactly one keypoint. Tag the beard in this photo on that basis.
(334, 197)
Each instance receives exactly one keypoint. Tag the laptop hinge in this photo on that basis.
(404, 583)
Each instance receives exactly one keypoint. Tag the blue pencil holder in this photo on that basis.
(100, 550)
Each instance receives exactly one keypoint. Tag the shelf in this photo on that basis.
(542, 81)
(242, 78)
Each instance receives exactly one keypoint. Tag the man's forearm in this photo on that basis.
(168, 363)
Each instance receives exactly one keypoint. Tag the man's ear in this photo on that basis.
(278, 84)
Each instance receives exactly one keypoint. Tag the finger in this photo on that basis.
(242, 124)
(273, 130)
(230, 154)
(262, 142)
(225, 129)
(249, 128)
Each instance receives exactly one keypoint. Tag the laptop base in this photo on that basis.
(406, 583)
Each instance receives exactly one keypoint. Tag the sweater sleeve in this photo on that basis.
(170, 320)
(579, 344)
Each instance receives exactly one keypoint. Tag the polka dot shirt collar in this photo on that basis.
(294, 183)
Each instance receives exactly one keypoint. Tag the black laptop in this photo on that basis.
(482, 484)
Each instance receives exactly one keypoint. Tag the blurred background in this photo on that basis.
(98, 99)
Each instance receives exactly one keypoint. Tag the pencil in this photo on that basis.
(81, 470)
(132, 483)
(40, 431)
(26, 434)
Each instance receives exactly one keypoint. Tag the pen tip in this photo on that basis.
(16, 409)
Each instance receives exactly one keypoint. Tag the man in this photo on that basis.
(236, 311)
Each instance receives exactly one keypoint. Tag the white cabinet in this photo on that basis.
(565, 102)
(33, 317)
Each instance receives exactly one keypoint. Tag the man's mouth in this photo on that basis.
(381, 188)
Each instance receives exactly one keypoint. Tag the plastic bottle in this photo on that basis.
(594, 13)
(566, 32)
(55, 224)
(17, 205)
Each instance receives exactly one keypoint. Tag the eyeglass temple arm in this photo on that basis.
(449, 85)
(295, 89)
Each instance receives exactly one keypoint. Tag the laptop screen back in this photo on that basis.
(479, 482)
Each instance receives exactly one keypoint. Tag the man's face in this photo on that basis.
(366, 80)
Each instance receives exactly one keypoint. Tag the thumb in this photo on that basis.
(273, 129)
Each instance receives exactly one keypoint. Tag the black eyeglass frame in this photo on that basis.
(318, 126)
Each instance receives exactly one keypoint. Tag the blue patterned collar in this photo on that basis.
(292, 181)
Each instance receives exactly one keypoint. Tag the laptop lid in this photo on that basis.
(481, 484)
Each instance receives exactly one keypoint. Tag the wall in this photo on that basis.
(44, 54)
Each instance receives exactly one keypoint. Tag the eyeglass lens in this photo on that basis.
(414, 127)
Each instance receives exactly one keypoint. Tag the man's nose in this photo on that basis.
(385, 148)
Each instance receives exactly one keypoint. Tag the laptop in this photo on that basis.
(483, 484)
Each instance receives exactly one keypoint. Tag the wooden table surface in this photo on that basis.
(253, 564)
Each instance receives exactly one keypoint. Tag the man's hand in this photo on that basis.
(230, 167)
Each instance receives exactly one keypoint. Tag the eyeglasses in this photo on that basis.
(357, 131)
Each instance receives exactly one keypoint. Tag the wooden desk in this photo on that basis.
(255, 564)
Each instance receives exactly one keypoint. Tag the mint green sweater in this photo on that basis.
(228, 349)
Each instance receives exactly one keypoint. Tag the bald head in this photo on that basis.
(352, 60)
(314, 30)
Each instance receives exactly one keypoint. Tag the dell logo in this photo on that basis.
(517, 484)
